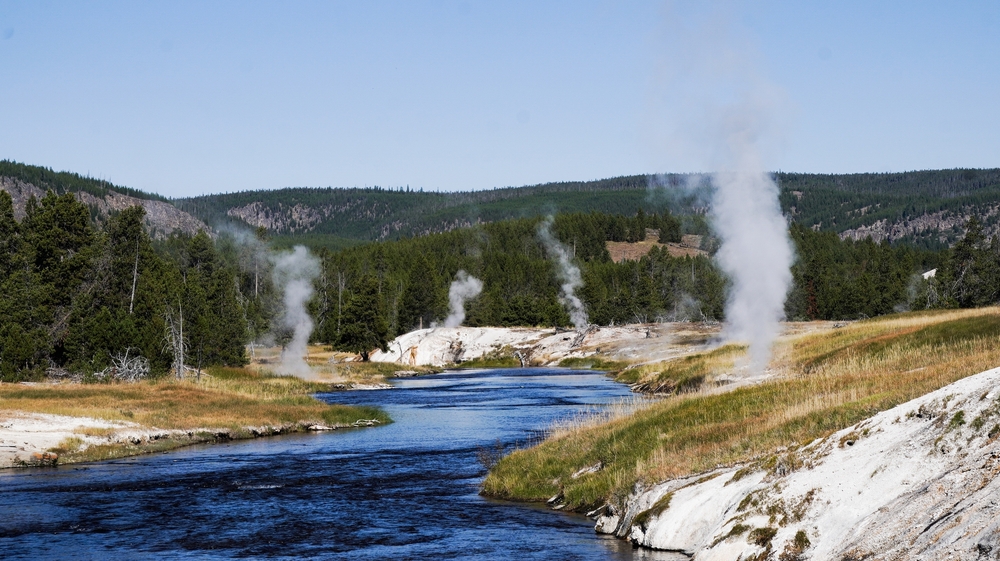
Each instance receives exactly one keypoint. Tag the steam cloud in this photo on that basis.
(569, 275)
(293, 275)
(722, 115)
(756, 254)
(464, 287)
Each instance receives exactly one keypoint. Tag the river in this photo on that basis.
(408, 490)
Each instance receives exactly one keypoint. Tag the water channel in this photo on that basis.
(408, 490)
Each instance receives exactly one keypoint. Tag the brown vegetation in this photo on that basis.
(626, 251)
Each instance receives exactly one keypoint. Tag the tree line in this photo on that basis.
(77, 297)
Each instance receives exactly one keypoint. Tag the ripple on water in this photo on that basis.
(408, 490)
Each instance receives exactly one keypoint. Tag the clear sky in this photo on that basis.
(186, 98)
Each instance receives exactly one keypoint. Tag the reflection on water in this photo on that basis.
(403, 491)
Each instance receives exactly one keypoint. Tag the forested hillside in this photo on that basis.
(833, 278)
(63, 182)
(75, 296)
(927, 208)
(340, 217)
(103, 199)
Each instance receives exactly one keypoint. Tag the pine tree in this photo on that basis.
(422, 297)
(364, 328)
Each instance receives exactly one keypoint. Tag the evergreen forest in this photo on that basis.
(77, 296)
(341, 217)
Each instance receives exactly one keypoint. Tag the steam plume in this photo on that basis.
(293, 275)
(756, 254)
(569, 275)
(722, 115)
(464, 287)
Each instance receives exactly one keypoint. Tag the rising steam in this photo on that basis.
(756, 254)
(293, 275)
(464, 287)
(569, 275)
(722, 114)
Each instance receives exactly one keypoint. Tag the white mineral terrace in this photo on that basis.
(444, 346)
(916, 482)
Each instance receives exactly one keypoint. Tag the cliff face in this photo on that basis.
(945, 226)
(918, 481)
(161, 220)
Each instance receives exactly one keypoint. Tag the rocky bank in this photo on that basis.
(448, 346)
(916, 482)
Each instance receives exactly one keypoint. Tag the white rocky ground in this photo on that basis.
(26, 438)
(24, 435)
(916, 482)
(443, 346)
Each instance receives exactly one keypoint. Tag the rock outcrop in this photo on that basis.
(945, 226)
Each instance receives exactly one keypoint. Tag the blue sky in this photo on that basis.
(186, 98)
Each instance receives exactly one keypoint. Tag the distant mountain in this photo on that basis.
(926, 208)
(162, 217)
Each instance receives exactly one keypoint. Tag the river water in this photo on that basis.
(408, 490)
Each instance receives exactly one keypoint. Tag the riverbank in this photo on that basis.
(48, 423)
(817, 384)
(406, 490)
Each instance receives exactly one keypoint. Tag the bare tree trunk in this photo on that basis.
(175, 338)
(135, 276)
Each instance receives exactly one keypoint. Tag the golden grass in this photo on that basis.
(829, 380)
(685, 374)
(225, 403)
(224, 398)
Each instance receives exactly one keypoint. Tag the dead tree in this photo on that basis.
(135, 277)
(125, 369)
(175, 338)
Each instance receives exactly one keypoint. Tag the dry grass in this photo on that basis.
(633, 251)
(831, 380)
(597, 416)
(226, 403)
(224, 398)
(686, 374)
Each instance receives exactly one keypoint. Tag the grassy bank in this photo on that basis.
(826, 381)
(225, 404)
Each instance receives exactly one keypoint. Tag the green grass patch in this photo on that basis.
(593, 363)
(761, 536)
(694, 433)
(657, 509)
(490, 362)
